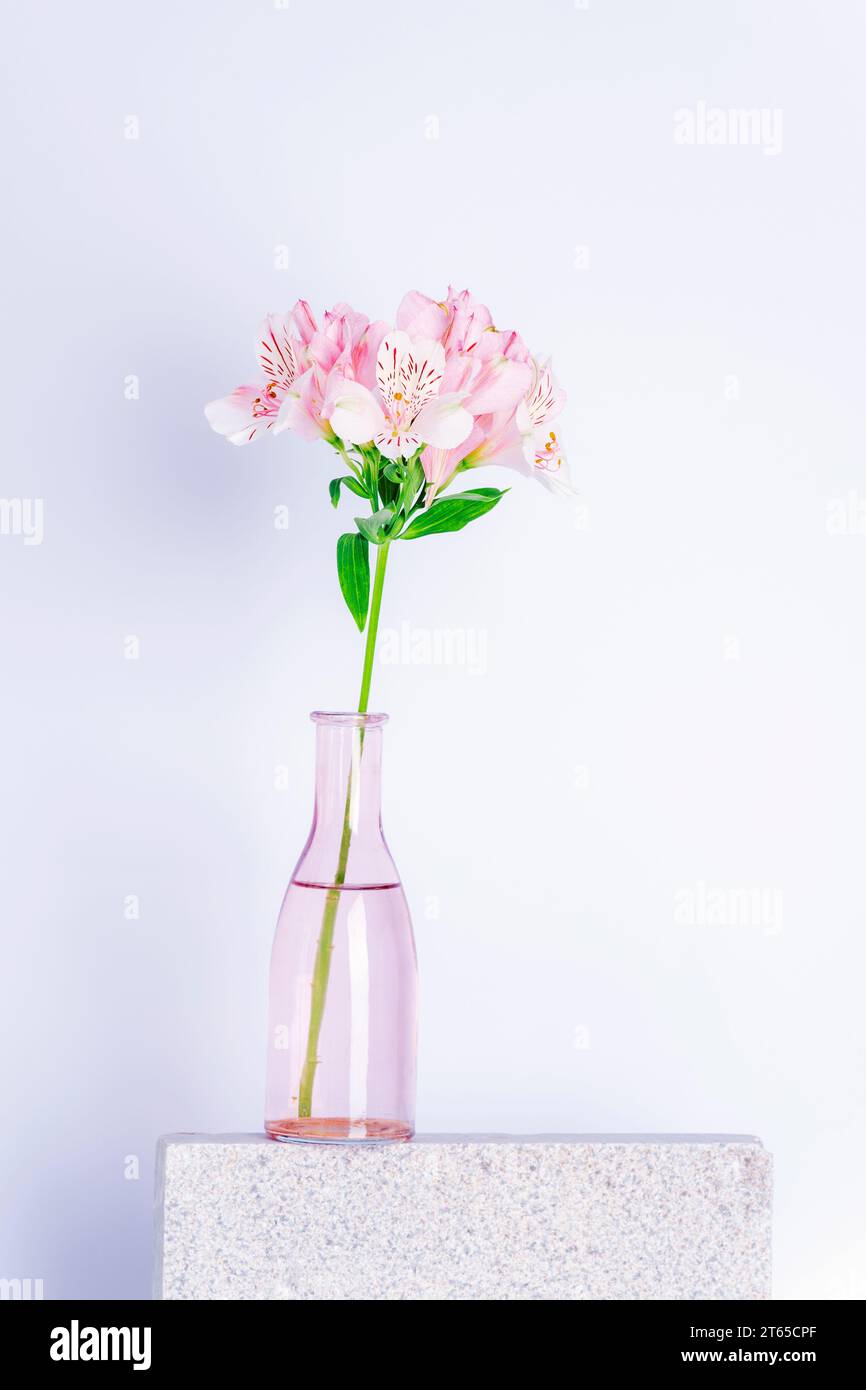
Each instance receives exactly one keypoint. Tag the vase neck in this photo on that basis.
(346, 846)
(348, 768)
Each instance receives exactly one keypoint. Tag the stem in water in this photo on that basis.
(322, 965)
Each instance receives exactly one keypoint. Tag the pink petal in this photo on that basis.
(469, 319)
(302, 408)
(439, 464)
(324, 350)
(436, 468)
(496, 440)
(461, 372)
(302, 317)
(356, 323)
(421, 316)
(364, 353)
(499, 387)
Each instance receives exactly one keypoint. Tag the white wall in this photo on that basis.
(675, 678)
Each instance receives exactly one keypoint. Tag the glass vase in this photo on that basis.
(343, 980)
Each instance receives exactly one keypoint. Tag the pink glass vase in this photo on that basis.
(343, 982)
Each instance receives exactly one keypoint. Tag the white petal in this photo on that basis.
(397, 446)
(389, 360)
(546, 399)
(558, 482)
(233, 416)
(444, 422)
(287, 415)
(276, 352)
(421, 374)
(550, 465)
(355, 414)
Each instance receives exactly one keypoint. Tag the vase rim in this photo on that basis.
(348, 718)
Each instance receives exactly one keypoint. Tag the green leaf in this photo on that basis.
(375, 527)
(388, 491)
(353, 570)
(452, 513)
(350, 482)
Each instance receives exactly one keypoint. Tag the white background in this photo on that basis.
(675, 681)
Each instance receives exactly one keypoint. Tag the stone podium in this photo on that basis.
(552, 1217)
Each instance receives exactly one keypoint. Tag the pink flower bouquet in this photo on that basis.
(407, 407)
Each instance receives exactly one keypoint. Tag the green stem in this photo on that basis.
(322, 964)
(373, 626)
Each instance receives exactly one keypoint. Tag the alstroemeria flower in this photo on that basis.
(523, 439)
(469, 318)
(489, 366)
(251, 410)
(301, 409)
(446, 381)
(457, 321)
(345, 344)
(533, 418)
(407, 407)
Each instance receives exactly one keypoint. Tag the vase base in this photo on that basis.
(338, 1130)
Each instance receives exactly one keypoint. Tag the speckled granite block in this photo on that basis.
(464, 1217)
